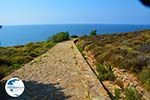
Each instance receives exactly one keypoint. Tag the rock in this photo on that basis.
(122, 70)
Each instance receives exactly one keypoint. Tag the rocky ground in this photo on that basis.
(123, 79)
(60, 74)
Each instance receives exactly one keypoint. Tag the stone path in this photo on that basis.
(60, 74)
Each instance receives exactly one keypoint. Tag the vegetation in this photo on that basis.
(93, 33)
(59, 37)
(74, 36)
(130, 51)
(132, 94)
(105, 72)
(145, 77)
(13, 57)
(117, 94)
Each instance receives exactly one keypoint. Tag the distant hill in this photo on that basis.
(0, 26)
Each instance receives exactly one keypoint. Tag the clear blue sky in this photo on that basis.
(73, 12)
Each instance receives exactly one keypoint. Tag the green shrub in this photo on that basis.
(144, 77)
(80, 48)
(74, 36)
(93, 33)
(33, 54)
(15, 66)
(132, 94)
(117, 94)
(5, 61)
(105, 72)
(62, 36)
(81, 51)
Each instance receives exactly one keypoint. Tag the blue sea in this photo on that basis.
(22, 34)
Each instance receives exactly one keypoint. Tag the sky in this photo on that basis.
(21, 12)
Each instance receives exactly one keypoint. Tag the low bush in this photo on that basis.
(93, 33)
(144, 77)
(117, 94)
(62, 36)
(132, 94)
(140, 62)
(144, 47)
(74, 36)
(105, 72)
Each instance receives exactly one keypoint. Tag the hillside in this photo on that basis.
(14, 57)
(60, 74)
(127, 51)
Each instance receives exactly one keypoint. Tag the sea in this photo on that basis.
(13, 35)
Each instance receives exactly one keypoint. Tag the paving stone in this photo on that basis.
(59, 74)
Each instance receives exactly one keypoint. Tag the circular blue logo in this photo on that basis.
(14, 87)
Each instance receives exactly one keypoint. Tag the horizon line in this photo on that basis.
(72, 24)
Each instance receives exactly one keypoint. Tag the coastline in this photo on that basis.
(10, 35)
